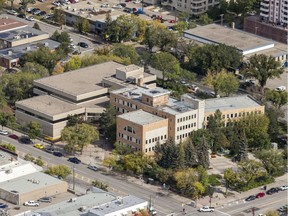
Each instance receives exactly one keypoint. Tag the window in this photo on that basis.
(235, 115)
(165, 136)
(119, 135)
(153, 148)
(147, 99)
(186, 118)
(227, 115)
(177, 137)
(177, 128)
(240, 114)
(194, 115)
(115, 99)
(223, 116)
(161, 137)
(145, 150)
(146, 141)
(149, 140)
(231, 115)
(153, 140)
(149, 149)
(194, 124)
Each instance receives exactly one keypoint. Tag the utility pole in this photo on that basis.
(73, 170)
(221, 15)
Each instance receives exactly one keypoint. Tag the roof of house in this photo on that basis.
(81, 81)
(230, 103)
(7, 24)
(17, 51)
(232, 37)
(140, 117)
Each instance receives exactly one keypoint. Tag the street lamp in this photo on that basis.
(221, 15)
(73, 170)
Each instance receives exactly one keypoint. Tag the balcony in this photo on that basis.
(197, 1)
(197, 6)
(264, 9)
(265, 4)
(264, 15)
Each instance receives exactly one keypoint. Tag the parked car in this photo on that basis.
(12, 12)
(74, 160)
(38, 146)
(13, 136)
(56, 3)
(58, 154)
(280, 88)
(3, 206)
(45, 199)
(283, 208)
(37, 12)
(117, 6)
(259, 195)
(128, 10)
(83, 44)
(250, 198)
(31, 203)
(49, 150)
(207, 209)
(72, 46)
(42, 13)
(76, 52)
(128, 0)
(137, 2)
(25, 140)
(172, 21)
(94, 168)
(4, 132)
(123, 4)
(29, 9)
(272, 191)
(30, 18)
(21, 15)
(105, 5)
(34, 10)
(284, 187)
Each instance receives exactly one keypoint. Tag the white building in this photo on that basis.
(275, 11)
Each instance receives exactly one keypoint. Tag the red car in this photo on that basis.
(172, 21)
(259, 195)
(13, 136)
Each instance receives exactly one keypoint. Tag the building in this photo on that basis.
(275, 11)
(21, 181)
(255, 25)
(217, 34)
(141, 130)
(9, 57)
(192, 7)
(83, 92)
(232, 108)
(8, 24)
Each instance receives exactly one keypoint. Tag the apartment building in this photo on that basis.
(192, 7)
(141, 130)
(184, 116)
(275, 11)
(83, 92)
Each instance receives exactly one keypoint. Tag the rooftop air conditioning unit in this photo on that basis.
(9, 171)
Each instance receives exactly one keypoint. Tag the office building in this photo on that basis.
(275, 11)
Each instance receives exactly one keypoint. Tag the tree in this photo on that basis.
(59, 170)
(231, 178)
(73, 64)
(204, 19)
(166, 39)
(190, 154)
(183, 25)
(59, 16)
(181, 156)
(122, 148)
(127, 51)
(34, 130)
(25, 3)
(166, 63)
(100, 185)
(64, 40)
(85, 26)
(38, 161)
(36, 26)
(79, 136)
(222, 82)
(73, 120)
(32, 67)
(135, 163)
(58, 69)
(198, 191)
(263, 67)
(274, 129)
(9, 146)
(185, 179)
(55, 35)
(273, 161)
(3, 119)
(242, 146)
(150, 37)
(107, 123)
(278, 98)
(169, 155)
(11, 122)
(271, 213)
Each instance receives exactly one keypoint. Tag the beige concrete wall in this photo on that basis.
(92, 94)
(155, 101)
(29, 40)
(8, 196)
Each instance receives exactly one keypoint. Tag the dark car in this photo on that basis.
(42, 13)
(259, 195)
(3, 206)
(123, 4)
(272, 191)
(74, 160)
(128, 10)
(45, 199)
(34, 10)
(250, 198)
(83, 44)
(58, 154)
(49, 150)
(25, 140)
(21, 15)
(13, 136)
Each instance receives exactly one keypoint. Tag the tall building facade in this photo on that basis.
(275, 11)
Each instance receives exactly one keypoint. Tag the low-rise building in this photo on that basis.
(8, 24)
(83, 92)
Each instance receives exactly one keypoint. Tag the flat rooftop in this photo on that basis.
(232, 37)
(229, 103)
(7, 24)
(129, 68)
(17, 51)
(47, 105)
(21, 33)
(68, 208)
(140, 117)
(279, 49)
(81, 81)
(29, 183)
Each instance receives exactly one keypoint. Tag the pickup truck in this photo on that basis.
(31, 203)
(206, 209)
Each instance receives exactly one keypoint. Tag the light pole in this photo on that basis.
(73, 170)
(221, 15)
(256, 28)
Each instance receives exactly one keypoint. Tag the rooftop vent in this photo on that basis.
(154, 92)
(9, 52)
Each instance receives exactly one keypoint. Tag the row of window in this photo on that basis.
(129, 129)
(186, 118)
(129, 138)
(155, 139)
(186, 126)
(182, 136)
(125, 103)
(235, 115)
(150, 149)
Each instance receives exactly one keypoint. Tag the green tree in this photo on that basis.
(100, 185)
(204, 19)
(64, 40)
(107, 123)
(74, 119)
(183, 16)
(34, 130)
(184, 180)
(32, 67)
(59, 170)
(12, 122)
(190, 154)
(55, 35)
(135, 163)
(242, 146)
(169, 155)
(278, 98)
(59, 16)
(36, 26)
(127, 51)
(79, 136)
(122, 148)
(183, 25)
(263, 67)
(151, 35)
(25, 4)
(231, 178)
(271, 213)
(85, 26)
(203, 176)
(181, 156)
(73, 64)
(166, 39)
(38, 161)
(273, 161)
(274, 129)
(198, 191)
(9, 147)
(3, 119)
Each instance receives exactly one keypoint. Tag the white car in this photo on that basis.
(105, 5)
(29, 9)
(72, 46)
(30, 18)
(284, 187)
(31, 203)
(280, 88)
(4, 132)
(136, 2)
(56, 3)
(94, 168)
(117, 6)
(207, 209)
(12, 12)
